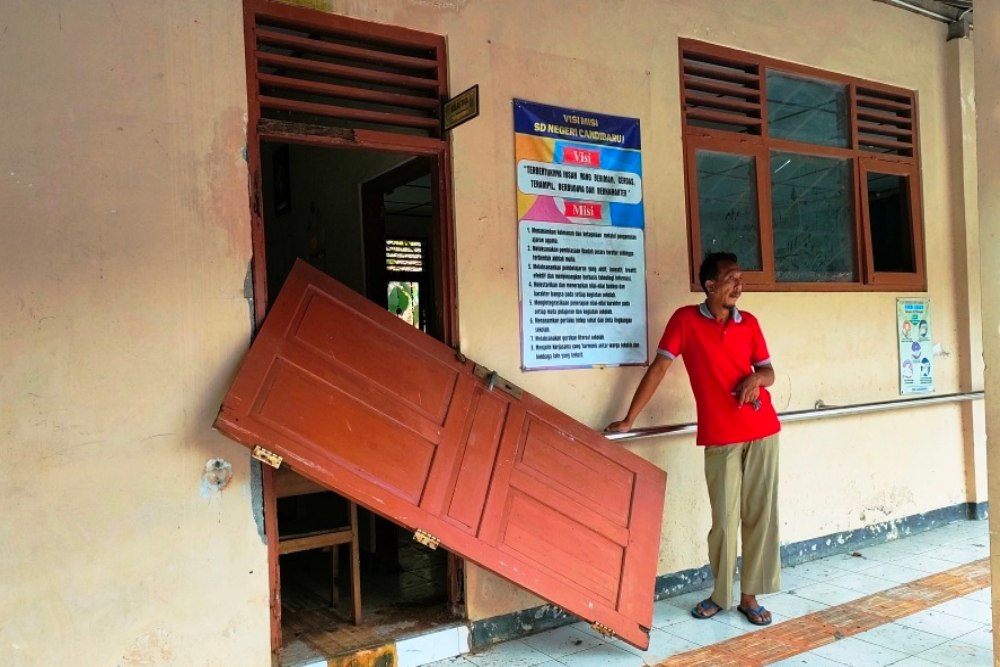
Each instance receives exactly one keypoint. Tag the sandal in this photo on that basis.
(755, 616)
(706, 609)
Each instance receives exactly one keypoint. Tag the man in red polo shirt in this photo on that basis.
(729, 367)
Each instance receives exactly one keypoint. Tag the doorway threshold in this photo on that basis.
(411, 646)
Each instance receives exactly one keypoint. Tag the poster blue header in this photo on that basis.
(574, 125)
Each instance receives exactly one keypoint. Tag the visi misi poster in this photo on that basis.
(581, 238)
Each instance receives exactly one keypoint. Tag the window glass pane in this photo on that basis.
(727, 206)
(812, 204)
(889, 216)
(807, 110)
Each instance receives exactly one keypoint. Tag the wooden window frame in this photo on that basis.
(884, 279)
(757, 143)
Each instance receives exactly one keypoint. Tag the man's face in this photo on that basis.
(728, 287)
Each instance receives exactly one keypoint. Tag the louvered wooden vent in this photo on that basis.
(347, 74)
(407, 256)
(721, 93)
(885, 121)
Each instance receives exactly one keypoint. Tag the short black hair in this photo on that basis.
(709, 269)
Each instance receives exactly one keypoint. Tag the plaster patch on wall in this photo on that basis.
(886, 504)
(257, 497)
(149, 648)
(220, 173)
(215, 476)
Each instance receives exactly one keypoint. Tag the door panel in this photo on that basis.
(362, 403)
(404, 372)
(472, 475)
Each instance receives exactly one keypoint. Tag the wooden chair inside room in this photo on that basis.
(288, 485)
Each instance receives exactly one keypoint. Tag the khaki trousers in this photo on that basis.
(743, 485)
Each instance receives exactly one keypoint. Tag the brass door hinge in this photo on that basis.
(493, 380)
(602, 629)
(426, 539)
(267, 456)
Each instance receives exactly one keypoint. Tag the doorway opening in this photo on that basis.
(344, 129)
(347, 578)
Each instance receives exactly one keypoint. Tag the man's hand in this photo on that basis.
(650, 381)
(748, 389)
(622, 426)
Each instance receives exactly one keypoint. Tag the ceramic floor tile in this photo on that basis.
(937, 623)
(662, 645)
(933, 538)
(514, 653)
(960, 553)
(817, 570)
(603, 656)
(851, 563)
(954, 633)
(914, 661)
(896, 572)
(967, 609)
(790, 580)
(562, 641)
(984, 595)
(705, 632)
(973, 528)
(740, 622)
(857, 653)
(982, 538)
(792, 606)
(688, 600)
(451, 662)
(901, 638)
(863, 583)
(665, 614)
(807, 660)
(429, 647)
(892, 550)
(953, 653)
(919, 543)
(983, 638)
(586, 629)
(827, 593)
(925, 563)
(948, 531)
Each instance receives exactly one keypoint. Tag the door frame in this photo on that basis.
(259, 129)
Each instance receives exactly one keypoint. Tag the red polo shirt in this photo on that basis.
(717, 356)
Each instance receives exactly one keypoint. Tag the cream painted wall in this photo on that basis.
(987, 54)
(126, 243)
(125, 204)
(621, 58)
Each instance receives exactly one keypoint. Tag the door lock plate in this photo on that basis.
(495, 381)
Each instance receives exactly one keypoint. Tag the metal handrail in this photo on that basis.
(821, 411)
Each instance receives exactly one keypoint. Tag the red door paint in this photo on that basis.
(368, 406)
